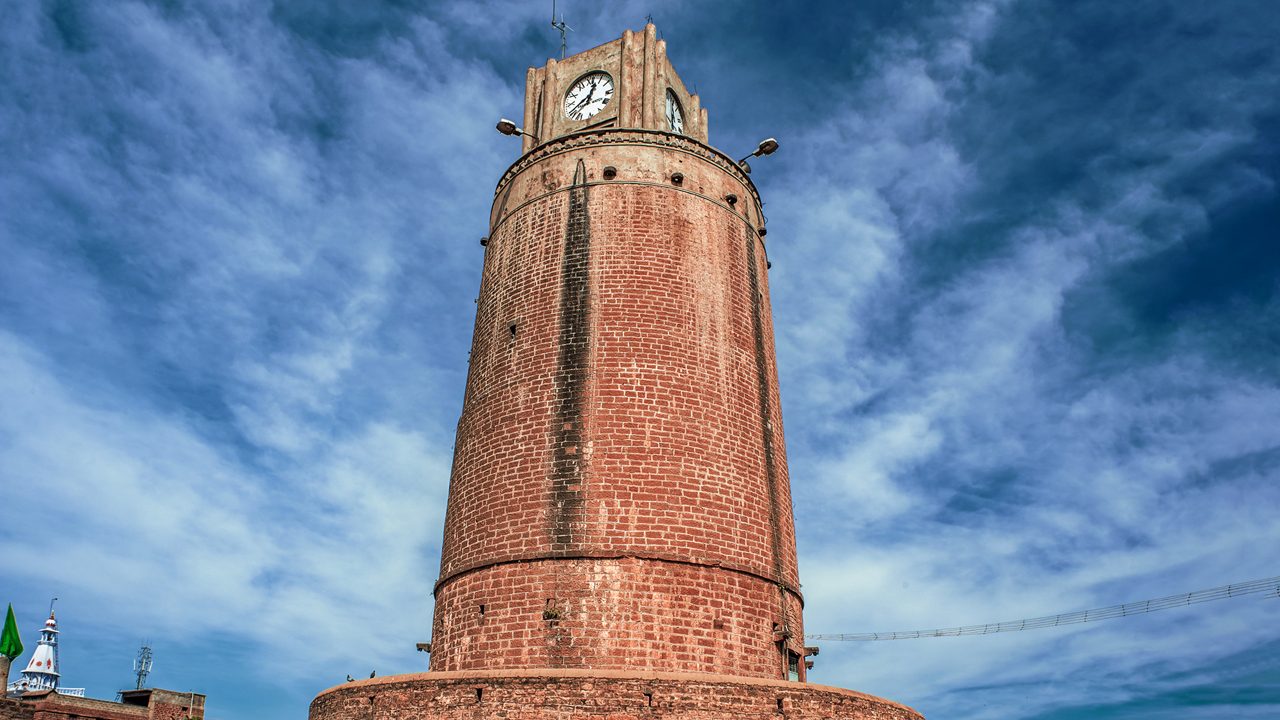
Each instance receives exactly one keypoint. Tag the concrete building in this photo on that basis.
(619, 541)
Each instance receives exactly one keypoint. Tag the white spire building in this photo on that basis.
(42, 671)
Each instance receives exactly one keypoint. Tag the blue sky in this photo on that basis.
(1027, 295)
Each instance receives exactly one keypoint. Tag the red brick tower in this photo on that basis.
(619, 539)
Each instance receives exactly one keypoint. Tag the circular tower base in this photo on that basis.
(594, 695)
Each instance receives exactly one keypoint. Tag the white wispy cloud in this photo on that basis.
(977, 462)
(240, 250)
(234, 453)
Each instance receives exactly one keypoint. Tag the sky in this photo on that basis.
(1026, 285)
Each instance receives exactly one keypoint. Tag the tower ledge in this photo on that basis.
(568, 694)
(618, 137)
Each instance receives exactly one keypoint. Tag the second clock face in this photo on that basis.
(675, 117)
(588, 96)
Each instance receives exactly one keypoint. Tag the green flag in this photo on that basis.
(10, 643)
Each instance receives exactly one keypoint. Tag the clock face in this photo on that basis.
(675, 116)
(588, 96)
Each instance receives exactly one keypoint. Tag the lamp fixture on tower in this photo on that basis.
(766, 147)
(507, 127)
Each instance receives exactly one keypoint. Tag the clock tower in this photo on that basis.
(627, 83)
(619, 540)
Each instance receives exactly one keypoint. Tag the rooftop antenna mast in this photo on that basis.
(561, 26)
(142, 665)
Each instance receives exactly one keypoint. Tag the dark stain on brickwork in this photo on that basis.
(501, 212)
(567, 509)
(766, 421)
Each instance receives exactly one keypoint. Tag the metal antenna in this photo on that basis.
(649, 21)
(142, 665)
(561, 26)
(51, 602)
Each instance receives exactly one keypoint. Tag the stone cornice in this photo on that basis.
(589, 555)
(555, 676)
(628, 136)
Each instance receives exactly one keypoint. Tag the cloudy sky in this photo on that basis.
(1027, 285)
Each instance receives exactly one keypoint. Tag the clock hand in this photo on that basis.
(587, 101)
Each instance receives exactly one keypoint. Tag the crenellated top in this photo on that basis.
(626, 83)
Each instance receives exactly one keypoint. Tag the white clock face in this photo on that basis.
(675, 116)
(588, 96)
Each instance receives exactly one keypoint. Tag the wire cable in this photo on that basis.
(1270, 586)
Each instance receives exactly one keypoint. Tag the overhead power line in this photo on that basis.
(1252, 587)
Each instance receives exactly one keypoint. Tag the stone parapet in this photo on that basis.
(52, 706)
(595, 695)
(611, 140)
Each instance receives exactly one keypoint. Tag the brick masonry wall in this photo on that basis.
(595, 696)
(171, 705)
(621, 425)
(65, 707)
(15, 710)
(165, 711)
(164, 705)
(624, 613)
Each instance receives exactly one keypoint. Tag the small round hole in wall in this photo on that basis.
(610, 172)
(677, 178)
(731, 199)
(762, 231)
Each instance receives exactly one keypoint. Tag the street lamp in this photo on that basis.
(507, 127)
(766, 147)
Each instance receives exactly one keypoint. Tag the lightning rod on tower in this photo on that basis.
(561, 26)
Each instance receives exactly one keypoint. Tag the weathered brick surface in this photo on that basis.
(622, 403)
(64, 707)
(594, 695)
(16, 710)
(624, 613)
(171, 705)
